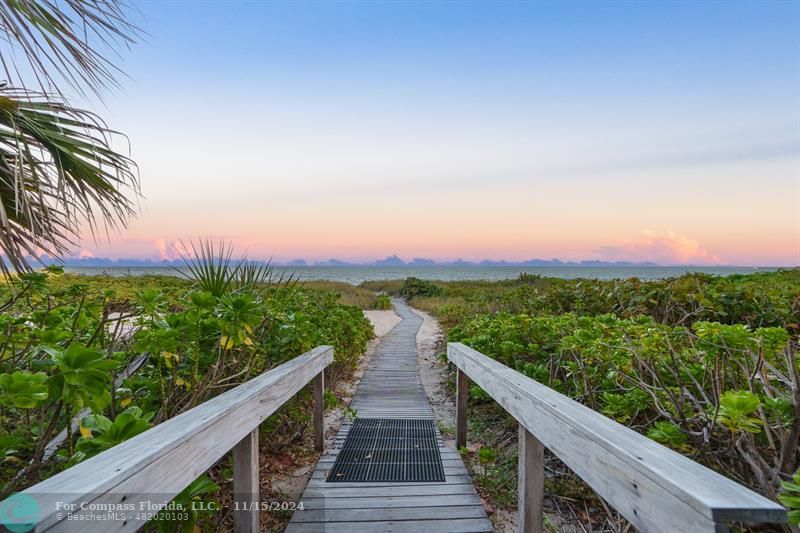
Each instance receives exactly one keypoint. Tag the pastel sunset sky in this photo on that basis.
(661, 131)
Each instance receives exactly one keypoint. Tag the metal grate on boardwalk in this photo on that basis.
(391, 389)
(389, 449)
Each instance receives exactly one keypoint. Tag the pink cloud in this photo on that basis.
(85, 254)
(161, 247)
(169, 250)
(668, 248)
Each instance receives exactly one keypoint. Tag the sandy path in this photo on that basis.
(433, 371)
(382, 322)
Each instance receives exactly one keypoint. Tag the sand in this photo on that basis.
(433, 371)
(382, 321)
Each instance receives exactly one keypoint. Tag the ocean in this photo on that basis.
(358, 274)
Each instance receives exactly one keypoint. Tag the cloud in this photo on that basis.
(86, 254)
(161, 246)
(669, 248)
(170, 250)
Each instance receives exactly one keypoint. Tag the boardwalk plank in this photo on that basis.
(467, 525)
(404, 502)
(391, 388)
(383, 514)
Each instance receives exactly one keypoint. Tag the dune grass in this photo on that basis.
(358, 296)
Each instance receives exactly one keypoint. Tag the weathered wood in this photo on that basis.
(530, 474)
(462, 395)
(444, 512)
(391, 388)
(245, 484)
(648, 484)
(465, 525)
(319, 412)
(157, 464)
(392, 501)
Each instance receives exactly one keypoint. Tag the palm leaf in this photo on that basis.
(57, 172)
(212, 268)
(57, 167)
(61, 41)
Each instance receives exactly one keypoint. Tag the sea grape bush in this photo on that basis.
(99, 433)
(413, 287)
(703, 364)
(725, 394)
(72, 349)
(23, 389)
(756, 300)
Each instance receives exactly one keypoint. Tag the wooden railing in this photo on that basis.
(653, 487)
(148, 470)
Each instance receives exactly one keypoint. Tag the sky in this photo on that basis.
(641, 131)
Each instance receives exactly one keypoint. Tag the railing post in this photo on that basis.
(462, 394)
(531, 482)
(319, 412)
(245, 484)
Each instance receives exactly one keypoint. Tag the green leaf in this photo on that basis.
(107, 434)
(196, 489)
(735, 408)
(790, 497)
(84, 377)
(667, 433)
(23, 389)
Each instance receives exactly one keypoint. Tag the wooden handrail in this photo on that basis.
(156, 465)
(653, 487)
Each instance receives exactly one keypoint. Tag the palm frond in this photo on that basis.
(58, 171)
(65, 42)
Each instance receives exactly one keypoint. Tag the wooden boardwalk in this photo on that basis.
(391, 388)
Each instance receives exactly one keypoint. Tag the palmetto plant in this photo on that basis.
(210, 266)
(58, 169)
(213, 269)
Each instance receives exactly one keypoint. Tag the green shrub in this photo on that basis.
(382, 302)
(63, 342)
(98, 433)
(756, 300)
(790, 497)
(419, 287)
(713, 391)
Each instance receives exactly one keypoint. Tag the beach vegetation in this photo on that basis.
(413, 287)
(705, 365)
(382, 302)
(790, 497)
(107, 358)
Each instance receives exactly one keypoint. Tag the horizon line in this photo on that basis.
(396, 261)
